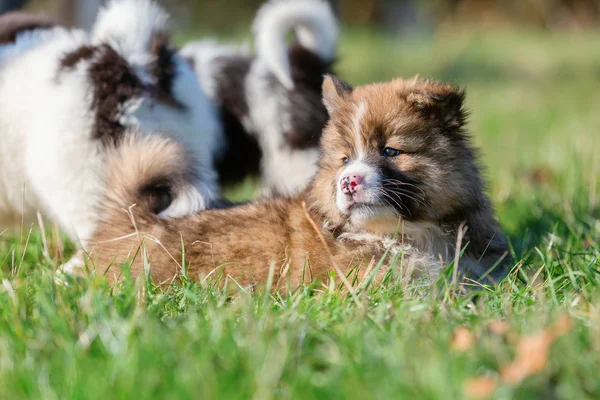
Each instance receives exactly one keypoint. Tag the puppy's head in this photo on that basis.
(395, 149)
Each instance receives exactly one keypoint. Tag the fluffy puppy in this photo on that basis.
(397, 174)
(270, 102)
(67, 97)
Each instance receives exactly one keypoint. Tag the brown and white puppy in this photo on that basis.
(270, 101)
(398, 173)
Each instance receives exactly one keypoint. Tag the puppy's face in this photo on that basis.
(395, 150)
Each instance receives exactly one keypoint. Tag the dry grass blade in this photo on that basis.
(45, 251)
(332, 258)
(462, 229)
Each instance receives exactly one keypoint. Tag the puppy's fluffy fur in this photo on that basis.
(270, 102)
(419, 184)
(68, 96)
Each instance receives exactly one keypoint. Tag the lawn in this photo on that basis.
(535, 104)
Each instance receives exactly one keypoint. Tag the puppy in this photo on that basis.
(398, 175)
(68, 96)
(270, 102)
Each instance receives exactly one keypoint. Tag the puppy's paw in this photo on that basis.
(74, 267)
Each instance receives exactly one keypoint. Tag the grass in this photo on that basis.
(534, 100)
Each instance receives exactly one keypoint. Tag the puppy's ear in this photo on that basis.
(334, 91)
(442, 102)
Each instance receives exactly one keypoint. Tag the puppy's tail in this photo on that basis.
(315, 27)
(131, 27)
(156, 174)
(16, 22)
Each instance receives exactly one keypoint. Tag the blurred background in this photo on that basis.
(531, 69)
(396, 16)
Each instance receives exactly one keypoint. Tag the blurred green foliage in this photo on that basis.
(393, 15)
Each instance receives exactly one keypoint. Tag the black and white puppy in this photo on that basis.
(270, 102)
(68, 97)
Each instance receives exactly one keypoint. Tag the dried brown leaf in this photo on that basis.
(533, 351)
(562, 325)
(498, 327)
(532, 356)
(482, 387)
(462, 339)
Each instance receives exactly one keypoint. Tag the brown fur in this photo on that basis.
(73, 58)
(423, 118)
(15, 22)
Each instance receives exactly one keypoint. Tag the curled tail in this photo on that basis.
(16, 22)
(155, 173)
(315, 27)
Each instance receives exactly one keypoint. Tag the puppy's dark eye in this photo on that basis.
(345, 160)
(391, 152)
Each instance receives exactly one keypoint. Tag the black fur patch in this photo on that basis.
(163, 69)
(401, 192)
(114, 84)
(242, 156)
(447, 108)
(71, 59)
(481, 240)
(156, 196)
(230, 89)
(307, 112)
(342, 87)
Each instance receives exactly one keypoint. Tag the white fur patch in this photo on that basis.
(423, 248)
(381, 218)
(284, 170)
(359, 113)
(370, 185)
(204, 53)
(189, 200)
(315, 26)
(128, 26)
